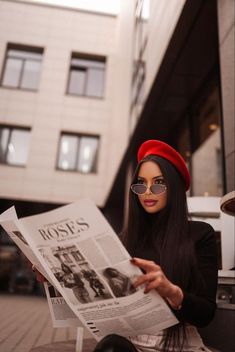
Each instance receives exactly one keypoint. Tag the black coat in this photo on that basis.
(197, 308)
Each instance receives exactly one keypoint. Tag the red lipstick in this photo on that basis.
(150, 202)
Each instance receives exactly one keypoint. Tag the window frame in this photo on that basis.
(138, 80)
(11, 129)
(22, 48)
(72, 67)
(79, 136)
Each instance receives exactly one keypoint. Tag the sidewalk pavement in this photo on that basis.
(26, 323)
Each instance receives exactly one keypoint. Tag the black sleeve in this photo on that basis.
(199, 308)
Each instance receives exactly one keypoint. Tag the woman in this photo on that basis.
(95, 284)
(72, 280)
(119, 283)
(178, 257)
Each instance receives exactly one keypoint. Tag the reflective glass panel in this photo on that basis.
(86, 63)
(4, 136)
(68, 152)
(207, 167)
(31, 74)
(18, 147)
(24, 54)
(77, 82)
(88, 154)
(95, 83)
(12, 72)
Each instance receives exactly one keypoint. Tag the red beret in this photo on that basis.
(155, 147)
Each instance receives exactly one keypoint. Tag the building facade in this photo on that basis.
(185, 96)
(198, 102)
(64, 101)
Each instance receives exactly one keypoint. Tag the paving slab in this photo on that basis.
(26, 323)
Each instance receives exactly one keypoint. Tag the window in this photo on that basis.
(77, 256)
(78, 153)
(199, 142)
(22, 67)
(142, 9)
(138, 82)
(86, 77)
(14, 145)
(67, 258)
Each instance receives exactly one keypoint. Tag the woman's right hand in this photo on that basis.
(154, 278)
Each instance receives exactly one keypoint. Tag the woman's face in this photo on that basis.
(149, 174)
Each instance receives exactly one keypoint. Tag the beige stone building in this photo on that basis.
(64, 100)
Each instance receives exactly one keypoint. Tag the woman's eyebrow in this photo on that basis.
(155, 177)
(159, 176)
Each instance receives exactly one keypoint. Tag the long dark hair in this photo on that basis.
(164, 237)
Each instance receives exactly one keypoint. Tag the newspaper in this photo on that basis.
(80, 255)
(61, 314)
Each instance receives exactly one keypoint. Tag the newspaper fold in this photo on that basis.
(80, 255)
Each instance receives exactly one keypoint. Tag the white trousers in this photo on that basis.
(152, 343)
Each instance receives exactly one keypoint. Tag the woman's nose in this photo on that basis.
(148, 191)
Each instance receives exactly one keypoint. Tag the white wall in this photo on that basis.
(49, 110)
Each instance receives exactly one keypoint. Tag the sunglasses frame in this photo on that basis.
(140, 194)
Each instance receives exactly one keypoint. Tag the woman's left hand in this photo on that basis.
(154, 278)
(39, 277)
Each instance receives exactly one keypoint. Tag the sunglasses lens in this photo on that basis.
(138, 188)
(157, 189)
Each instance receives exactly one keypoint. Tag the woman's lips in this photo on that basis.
(150, 202)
